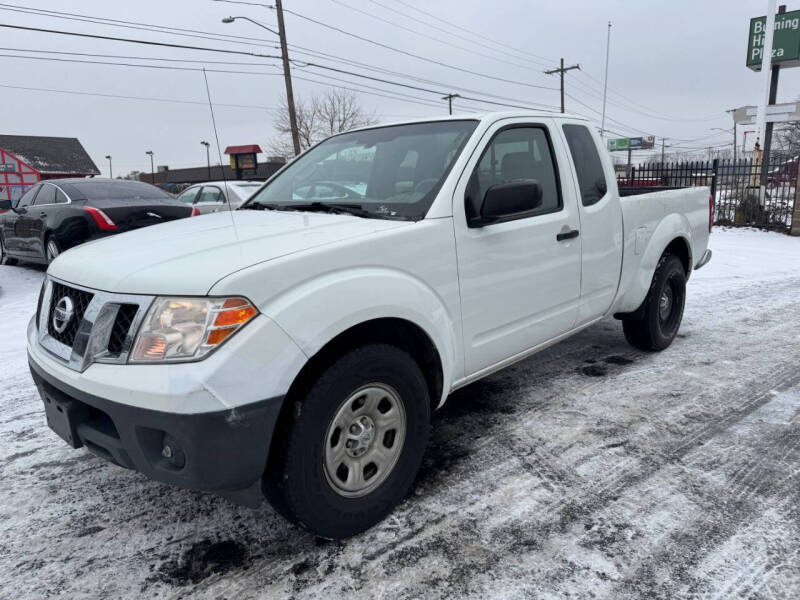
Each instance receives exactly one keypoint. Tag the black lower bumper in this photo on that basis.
(215, 451)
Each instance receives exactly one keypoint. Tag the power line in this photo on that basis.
(220, 50)
(473, 33)
(192, 33)
(450, 33)
(123, 97)
(421, 34)
(294, 47)
(417, 56)
(625, 104)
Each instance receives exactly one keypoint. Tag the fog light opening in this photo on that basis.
(172, 453)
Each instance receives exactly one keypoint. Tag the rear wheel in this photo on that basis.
(5, 259)
(354, 444)
(663, 308)
(52, 250)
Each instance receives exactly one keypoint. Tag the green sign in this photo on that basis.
(785, 43)
(619, 144)
(637, 143)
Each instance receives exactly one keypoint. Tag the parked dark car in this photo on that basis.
(57, 214)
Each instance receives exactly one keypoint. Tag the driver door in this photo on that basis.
(519, 278)
(16, 225)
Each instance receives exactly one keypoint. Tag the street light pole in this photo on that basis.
(208, 158)
(287, 74)
(110, 173)
(152, 170)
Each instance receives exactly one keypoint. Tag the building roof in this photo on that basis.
(243, 149)
(52, 155)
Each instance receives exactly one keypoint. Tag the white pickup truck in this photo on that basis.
(295, 348)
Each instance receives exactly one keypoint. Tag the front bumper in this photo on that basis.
(215, 451)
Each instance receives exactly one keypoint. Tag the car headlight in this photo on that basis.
(184, 329)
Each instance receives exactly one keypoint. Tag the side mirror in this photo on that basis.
(510, 199)
(5, 205)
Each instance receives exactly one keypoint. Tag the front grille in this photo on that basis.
(122, 325)
(80, 300)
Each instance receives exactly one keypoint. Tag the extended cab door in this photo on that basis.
(520, 277)
(601, 220)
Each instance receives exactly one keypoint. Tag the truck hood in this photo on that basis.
(188, 256)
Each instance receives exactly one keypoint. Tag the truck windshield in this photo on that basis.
(387, 172)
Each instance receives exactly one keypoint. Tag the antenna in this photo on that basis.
(219, 154)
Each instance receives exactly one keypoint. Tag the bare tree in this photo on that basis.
(787, 138)
(318, 117)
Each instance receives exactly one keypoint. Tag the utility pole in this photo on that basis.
(208, 158)
(449, 99)
(110, 172)
(287, 76)
(605, 85)
(561, 72)
(663, 146)
(152, 170)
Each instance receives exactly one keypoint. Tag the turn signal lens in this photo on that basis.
(235, 316)
(181, 329)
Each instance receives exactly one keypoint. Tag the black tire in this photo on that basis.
(663, 308)
(296, 481)
(5, 259)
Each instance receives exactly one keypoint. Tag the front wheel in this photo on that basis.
(663, 308)
(354, 444)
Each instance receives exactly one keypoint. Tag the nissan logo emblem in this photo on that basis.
(62, 314)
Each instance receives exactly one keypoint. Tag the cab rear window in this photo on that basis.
(588, 166)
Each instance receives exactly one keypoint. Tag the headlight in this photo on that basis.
(182, 329)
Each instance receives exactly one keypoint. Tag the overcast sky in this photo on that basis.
(676, 66)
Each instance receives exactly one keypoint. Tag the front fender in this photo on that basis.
(317, 310)
(639, 271)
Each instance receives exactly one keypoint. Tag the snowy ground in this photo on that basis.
(589, 470)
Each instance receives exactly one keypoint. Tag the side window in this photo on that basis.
(47, 195)
(61, 197)
(27, 197)
(188, 195)
(588, 166)
(211, 194)
(519, 153)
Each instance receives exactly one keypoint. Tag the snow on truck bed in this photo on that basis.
(589, 469)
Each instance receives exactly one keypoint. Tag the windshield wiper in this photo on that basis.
(260, 206)
(331, 207)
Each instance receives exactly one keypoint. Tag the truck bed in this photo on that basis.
(659, 216)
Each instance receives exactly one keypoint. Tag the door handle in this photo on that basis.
(42, 214)
(567, 235)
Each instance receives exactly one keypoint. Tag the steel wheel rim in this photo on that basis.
(364, 440)
(52, 250)
(665, 303)
(670, 306)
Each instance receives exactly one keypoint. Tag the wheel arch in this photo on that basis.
(398, 332)
(394, 331)
(676, 244)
